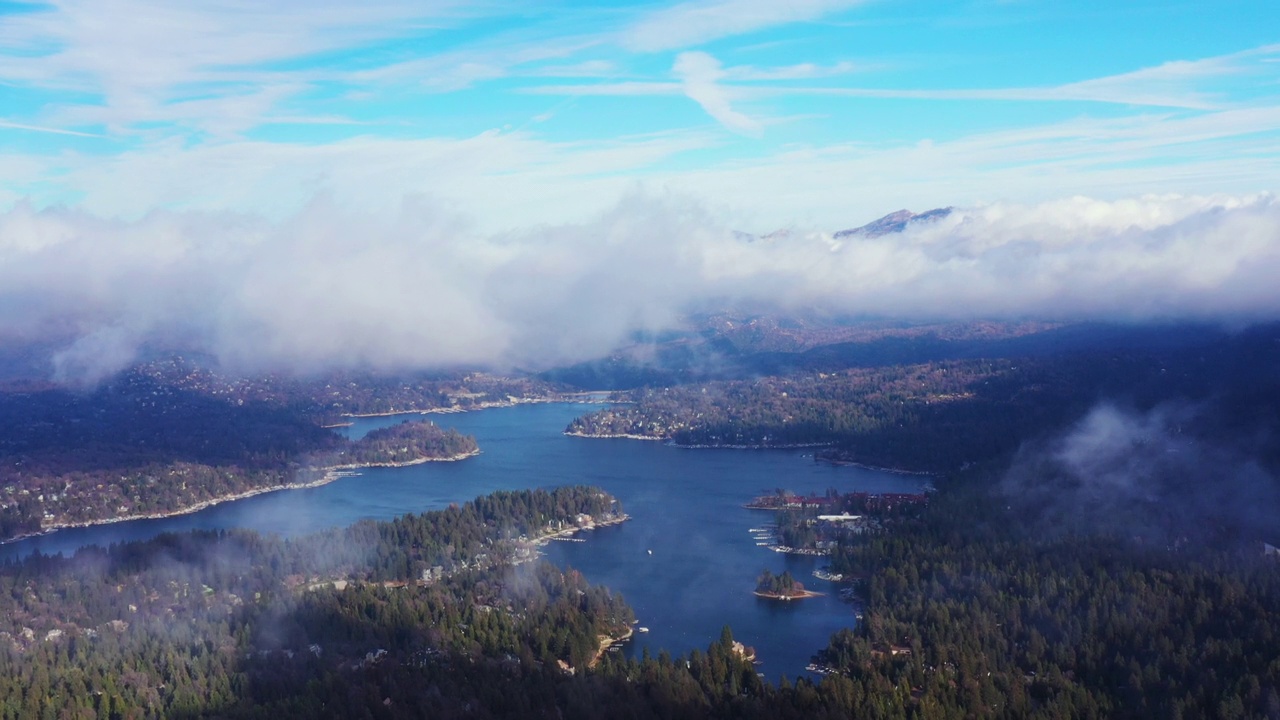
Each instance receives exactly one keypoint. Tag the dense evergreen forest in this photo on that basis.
(243, 624)
(940, 416)
(973, 611)
(1096, 548)
(968, 613)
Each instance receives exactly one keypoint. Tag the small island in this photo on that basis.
(781, 587)
(407, 443)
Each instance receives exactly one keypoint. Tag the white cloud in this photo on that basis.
(135, 58)
(129, 46)
(586, 68)
(1139, 258)
(504, 180)
(42, 129)
(491, 60)
(841, 185)
(423, 287)
(619, 89)
(512, 180)
(699, 74)
(693, 23)
(1076, 92)
(1175, 84)
(803, 71)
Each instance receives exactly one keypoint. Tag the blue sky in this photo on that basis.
(306, 184)
(816, 113)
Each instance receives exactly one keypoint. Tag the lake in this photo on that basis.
(685, 507)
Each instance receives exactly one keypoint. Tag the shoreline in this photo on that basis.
(568, 399)
(528, 544)
(612, 436)
(802, 552)
(547, 537)
(206, 504)
(777, 596)
(607, 642)
(452, 410)
(404, 463)
(673, 443)
(881, 468)
(789, 446)
(332, 473)
(202, 505)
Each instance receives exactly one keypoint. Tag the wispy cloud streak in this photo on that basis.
(700, 74)
(690, 24)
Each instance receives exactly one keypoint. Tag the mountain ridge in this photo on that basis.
(894, 222)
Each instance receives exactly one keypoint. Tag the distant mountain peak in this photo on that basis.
(781, 234)
(894, 222)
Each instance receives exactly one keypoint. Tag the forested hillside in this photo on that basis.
(970, 610)
(1095, 549)
(142, 445)
(940, 416)
(226, 622)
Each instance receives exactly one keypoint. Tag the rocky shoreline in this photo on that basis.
(406, 463)
(881, 468)
(607, 642)
(609, 436)
(726, 446)
(691, 446)
(547, 537)
(793, 596)
(454, 409)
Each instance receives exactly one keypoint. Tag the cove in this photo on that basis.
(685, 505)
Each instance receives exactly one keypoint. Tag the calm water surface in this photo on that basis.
(686, 507)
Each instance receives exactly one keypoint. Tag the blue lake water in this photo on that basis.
(685, 505)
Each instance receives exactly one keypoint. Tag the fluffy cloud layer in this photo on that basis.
(422, 287)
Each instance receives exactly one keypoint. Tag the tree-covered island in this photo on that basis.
(408, 443)
(781, 587)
